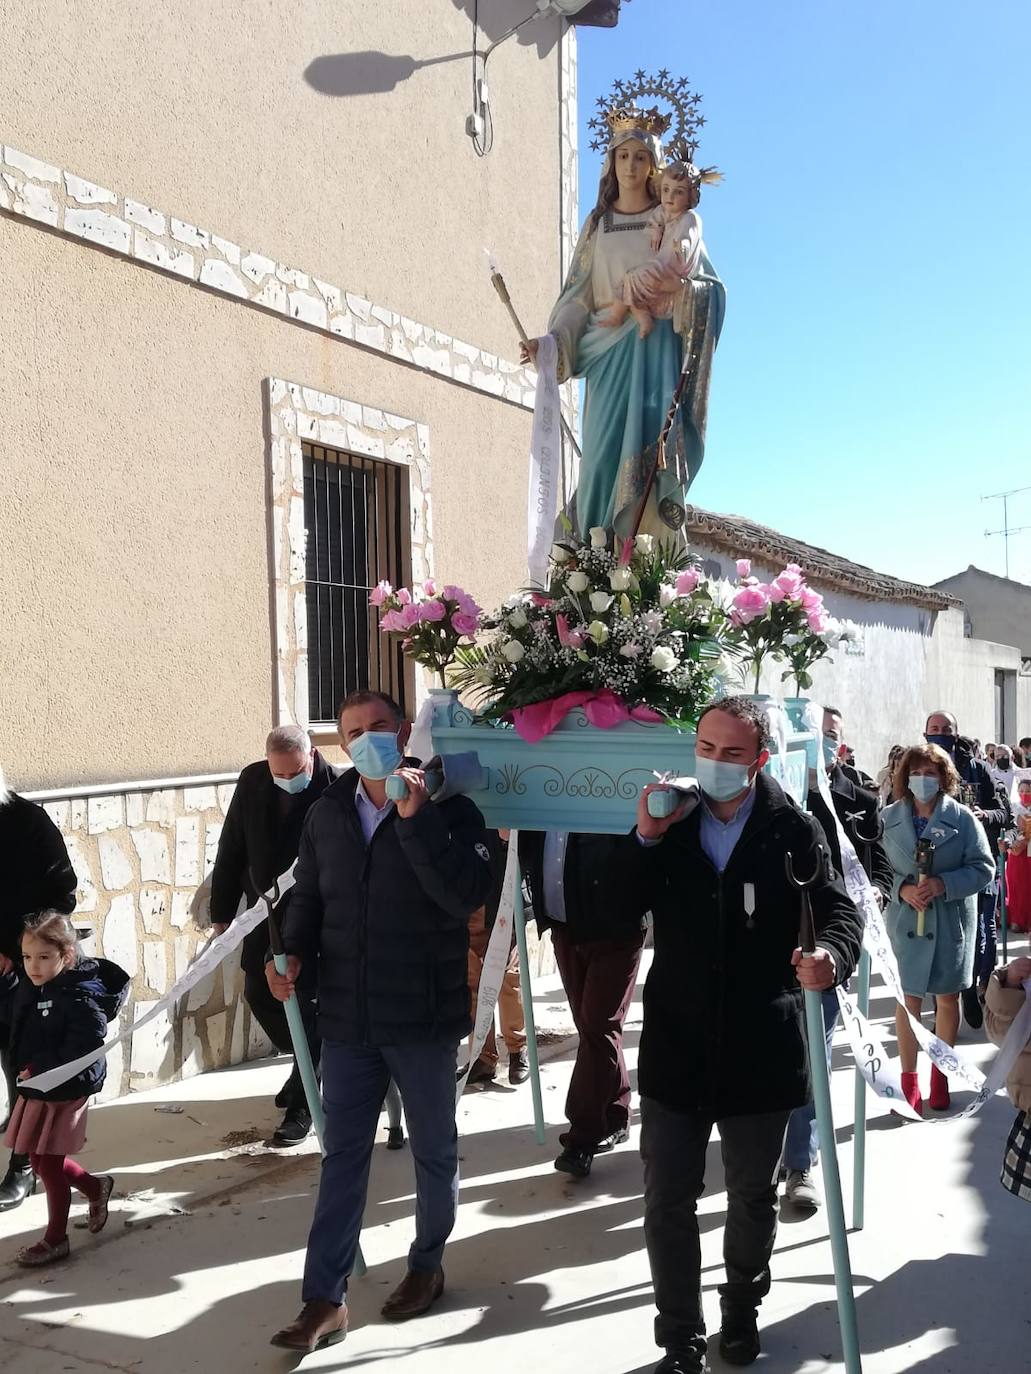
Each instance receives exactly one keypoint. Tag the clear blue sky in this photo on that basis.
(874, 376)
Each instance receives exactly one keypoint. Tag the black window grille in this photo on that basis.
(356, 520)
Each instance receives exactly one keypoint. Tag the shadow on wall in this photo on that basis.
(375, 73)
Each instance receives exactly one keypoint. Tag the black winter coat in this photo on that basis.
(724, 1032)
(36, 873)
(64, 1019)
(855, 807)
(388, 921)
(260, 837)
(605, 893)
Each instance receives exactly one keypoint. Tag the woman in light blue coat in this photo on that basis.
(932, 919)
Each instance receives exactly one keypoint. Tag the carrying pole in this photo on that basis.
(825, 1122)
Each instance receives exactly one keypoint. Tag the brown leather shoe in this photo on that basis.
(414, 1295)
(320, 1323)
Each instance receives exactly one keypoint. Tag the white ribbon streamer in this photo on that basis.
(206, 962)
(495, 961)
(545, 460)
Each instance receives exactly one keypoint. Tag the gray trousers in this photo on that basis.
(673, 1146)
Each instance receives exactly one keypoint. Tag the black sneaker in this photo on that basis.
(395, 1138)
(739, 1339)
(683, 1362)
(973, 1013)
(294, 1127)
(575, 1162)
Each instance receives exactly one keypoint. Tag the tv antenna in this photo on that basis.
(1006, 531)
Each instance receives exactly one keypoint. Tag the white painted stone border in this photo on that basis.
(37, 190)
(296, 413)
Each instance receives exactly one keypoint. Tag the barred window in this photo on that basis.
(356, 519)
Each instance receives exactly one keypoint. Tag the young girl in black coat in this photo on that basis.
(58, 1012)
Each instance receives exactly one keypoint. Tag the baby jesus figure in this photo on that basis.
(649, 292)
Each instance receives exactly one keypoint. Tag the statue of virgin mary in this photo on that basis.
(631, 380)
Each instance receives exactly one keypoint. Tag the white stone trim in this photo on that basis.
(296, 413)
(111, 789)
(33, 189)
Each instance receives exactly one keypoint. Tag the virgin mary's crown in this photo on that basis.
(625, 108)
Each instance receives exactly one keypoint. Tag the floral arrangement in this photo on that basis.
(782, 619)
(646, 632)
(432, 624)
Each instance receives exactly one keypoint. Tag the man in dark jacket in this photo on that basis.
(587, 890)
(723, 1039)
(992, 809)
(382, 901)
(857, 810)
(259, 841)
(37, 876)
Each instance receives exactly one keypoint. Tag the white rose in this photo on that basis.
(513, 651)
(665, 660)
(578, 581)
(620, 579)
(667, 595)
(598, 632)
(517, 618)
(644, 543)
(599, 537)
(559, 554)
(600, 602)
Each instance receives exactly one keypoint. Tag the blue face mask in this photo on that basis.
(924, 788)
(375, 754)
(946, 742)
(721, 781)
(295, 784)
(830, 750)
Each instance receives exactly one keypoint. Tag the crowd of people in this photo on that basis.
(385, 932)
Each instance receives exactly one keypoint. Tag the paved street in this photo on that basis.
(202, 1256)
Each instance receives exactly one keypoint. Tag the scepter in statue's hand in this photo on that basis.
(527, 346)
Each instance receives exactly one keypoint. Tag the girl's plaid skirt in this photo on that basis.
(1016, 1164)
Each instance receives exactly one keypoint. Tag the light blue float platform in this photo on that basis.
(581, 778)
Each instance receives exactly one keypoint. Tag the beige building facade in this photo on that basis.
(251, 361)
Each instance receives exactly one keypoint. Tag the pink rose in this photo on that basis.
(380, 593)
(811, 601)
(410, 616)
(469, 607)
(744, 567)
(687, 581)
(788, 584)
(453, 593)
(430, 587)
(568, 638)
(463, 623)
(817, 620)
(404, 596)
(392, 621)
(432, 610)
(751, 602)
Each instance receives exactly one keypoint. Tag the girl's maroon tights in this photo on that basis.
(59, 1174)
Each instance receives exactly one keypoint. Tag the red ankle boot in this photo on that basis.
(939, 1101)
(911, 1092)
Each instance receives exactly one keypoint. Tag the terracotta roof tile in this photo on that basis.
(743, 538)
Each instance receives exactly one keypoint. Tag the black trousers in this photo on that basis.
(673, 1146)
(271, 1017)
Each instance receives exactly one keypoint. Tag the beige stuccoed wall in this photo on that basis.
(204, 110)
(135, 477)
